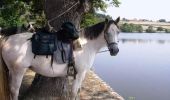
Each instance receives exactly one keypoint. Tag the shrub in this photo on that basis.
(131, 28)
(160, 29)
(150, 29)
(167, 30)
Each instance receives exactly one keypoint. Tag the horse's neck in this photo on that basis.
(93, 46)
(89, 50)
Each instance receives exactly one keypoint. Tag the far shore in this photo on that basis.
(148, 23)
(137, 26)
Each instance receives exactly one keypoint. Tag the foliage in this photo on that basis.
(103, 4)
(93, 18)
(17, 12)
(11, 13)
(160, 29)
(89, 19)
(126, 27)
(139, 28)
(162, 20)
(167, 30)
(150, 29)
(131, 28)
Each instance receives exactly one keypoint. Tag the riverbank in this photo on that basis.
(149, 23)
(145, 26)
(93, 87)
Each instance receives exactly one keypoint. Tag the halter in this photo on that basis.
(108, 44)
(105, 32)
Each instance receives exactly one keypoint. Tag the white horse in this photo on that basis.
(16, 52)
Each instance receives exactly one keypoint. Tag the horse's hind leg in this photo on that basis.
(15, 79)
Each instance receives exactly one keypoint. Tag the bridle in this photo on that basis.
(105, 32)
(107, 42)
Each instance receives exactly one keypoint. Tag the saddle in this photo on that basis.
(47, 43)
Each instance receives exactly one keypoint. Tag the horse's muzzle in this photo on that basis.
(113, 48)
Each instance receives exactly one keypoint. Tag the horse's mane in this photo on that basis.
(94, 31)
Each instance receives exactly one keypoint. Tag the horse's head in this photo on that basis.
(111, 32)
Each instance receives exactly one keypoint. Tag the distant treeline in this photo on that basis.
(145, 20)
(132, 28)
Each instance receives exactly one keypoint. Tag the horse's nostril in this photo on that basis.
(114, 51)
(117, 50)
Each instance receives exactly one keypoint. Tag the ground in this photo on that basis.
(93, 87)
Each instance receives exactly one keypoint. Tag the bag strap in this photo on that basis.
(71, 64)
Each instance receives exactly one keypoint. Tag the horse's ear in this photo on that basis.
(106, 20)
(117, 20)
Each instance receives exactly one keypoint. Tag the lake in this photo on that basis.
(141, 70)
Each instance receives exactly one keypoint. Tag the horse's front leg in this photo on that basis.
(77, 85)
(15, 79)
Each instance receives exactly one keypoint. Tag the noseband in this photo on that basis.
(109, 44)
(105, 32)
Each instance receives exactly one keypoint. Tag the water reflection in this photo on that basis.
(137, 41)
(141, 69)
(144, 38)
(162, 41)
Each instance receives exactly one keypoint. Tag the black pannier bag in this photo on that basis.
(68, 32)
(43, 43)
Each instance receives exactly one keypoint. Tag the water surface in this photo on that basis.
(141, 70)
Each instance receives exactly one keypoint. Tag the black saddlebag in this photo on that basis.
(43, 43)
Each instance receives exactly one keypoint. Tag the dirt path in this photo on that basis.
(93, 87)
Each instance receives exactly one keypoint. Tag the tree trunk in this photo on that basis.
(45, 88)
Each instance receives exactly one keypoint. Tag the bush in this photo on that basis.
(162, 20)
(167, 30)
(160, 29)
(150, 29)
(126, 27)
(139, 28)
(131, 28)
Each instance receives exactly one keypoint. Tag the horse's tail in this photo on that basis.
(4, 86)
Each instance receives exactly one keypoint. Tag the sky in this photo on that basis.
(141, 9)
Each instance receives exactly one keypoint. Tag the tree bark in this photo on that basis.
(45, 88)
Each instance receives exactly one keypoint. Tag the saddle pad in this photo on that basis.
(62, 54)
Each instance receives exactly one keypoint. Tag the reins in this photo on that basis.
(103, 51)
